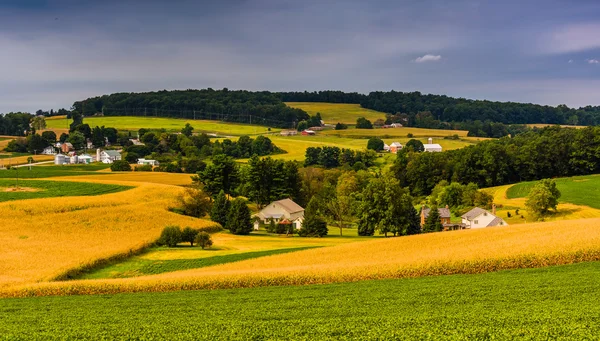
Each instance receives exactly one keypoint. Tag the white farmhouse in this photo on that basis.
(147, 162)
(280, 210)
(478, 218)
(85, 159)
(107, 156)
(50, 150)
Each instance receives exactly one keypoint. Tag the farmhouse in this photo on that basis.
(396, 125)
(478, 218)
(308, 132)
(280, 210)
(147, 162)
(386, 147)
(395, 147)
(444, 215)
(85, 159)
(107, 156)
(50, 150)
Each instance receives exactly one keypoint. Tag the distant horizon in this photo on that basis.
(539, 52)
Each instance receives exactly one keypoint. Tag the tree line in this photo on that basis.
(537, 154)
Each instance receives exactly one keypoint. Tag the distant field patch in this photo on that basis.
(33, 189)
(38, 172)
(333, 113)
(134, 123)
(177, 179)
(578, 190)
(394, 132)
(23, 159)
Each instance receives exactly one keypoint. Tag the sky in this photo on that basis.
(53, 53)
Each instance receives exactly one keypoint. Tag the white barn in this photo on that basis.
(280, 210)
(479, 218)
(107, 156)
(432, 147)
(147, 162)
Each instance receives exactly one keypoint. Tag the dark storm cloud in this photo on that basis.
(56, 52)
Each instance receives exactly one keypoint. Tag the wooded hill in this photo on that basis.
(264, 107)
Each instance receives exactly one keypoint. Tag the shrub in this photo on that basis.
(170, 236)
(143, 168)
(341, 126)
(314, 225)
(363, 123)
(204, 240)
(120, 166)
(189, 235)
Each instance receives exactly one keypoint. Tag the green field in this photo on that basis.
(134, 123)
(542, 304)
(578, 190)
(140, 266)
(33, 189)
(53, 171)
(333, 113)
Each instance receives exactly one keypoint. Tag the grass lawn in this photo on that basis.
(333, 113)
(53, 171)
(548, 303)
(33, 189)
(134, 123)
(578, 190)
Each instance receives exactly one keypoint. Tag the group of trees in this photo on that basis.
(330, 157)
(173, 235)
(185, 152)
(15, 123)
(234, 215)
(459, 197)
(538, 154)
(312, 121)
(226, 105)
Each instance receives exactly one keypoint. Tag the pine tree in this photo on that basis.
(220, 209)
(313, 225)
(414, 222)
(238, 219)
(433, 222)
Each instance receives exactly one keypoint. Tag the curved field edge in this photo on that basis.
(364, 274)
(519, 304)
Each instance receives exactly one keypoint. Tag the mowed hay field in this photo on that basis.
(134, 123)
(467, 251)
(397, 132)
(332, 113)
(43, 239)
(20, 160)
(579, 199)
(129, 178)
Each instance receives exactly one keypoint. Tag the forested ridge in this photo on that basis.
(264, 107)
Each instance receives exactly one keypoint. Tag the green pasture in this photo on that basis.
(52, 171)
(578, 190)
(134, 123)
(333, 113)
(554, 303)
(140, 266)
(11, 189)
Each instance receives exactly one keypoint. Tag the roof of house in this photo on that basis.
(290, 205)
(431, 145)
(474, 213)
(68, 144)
(444, 212)
(112, 153)
(396, 144)
(495, 222)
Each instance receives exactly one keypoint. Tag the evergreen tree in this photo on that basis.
(220, 209)
(414, 222)
(239, 220)
(433, 222)
(314, 225)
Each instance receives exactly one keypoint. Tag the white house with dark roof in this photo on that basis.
(107, 156)
(280, 210)
(479, 218)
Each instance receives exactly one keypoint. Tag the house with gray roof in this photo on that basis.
(280, 210)
(107, 156)
(479, 218)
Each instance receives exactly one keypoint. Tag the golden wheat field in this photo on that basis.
(467, 251)
(177, 179)
(43, 239)
(19, 160)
